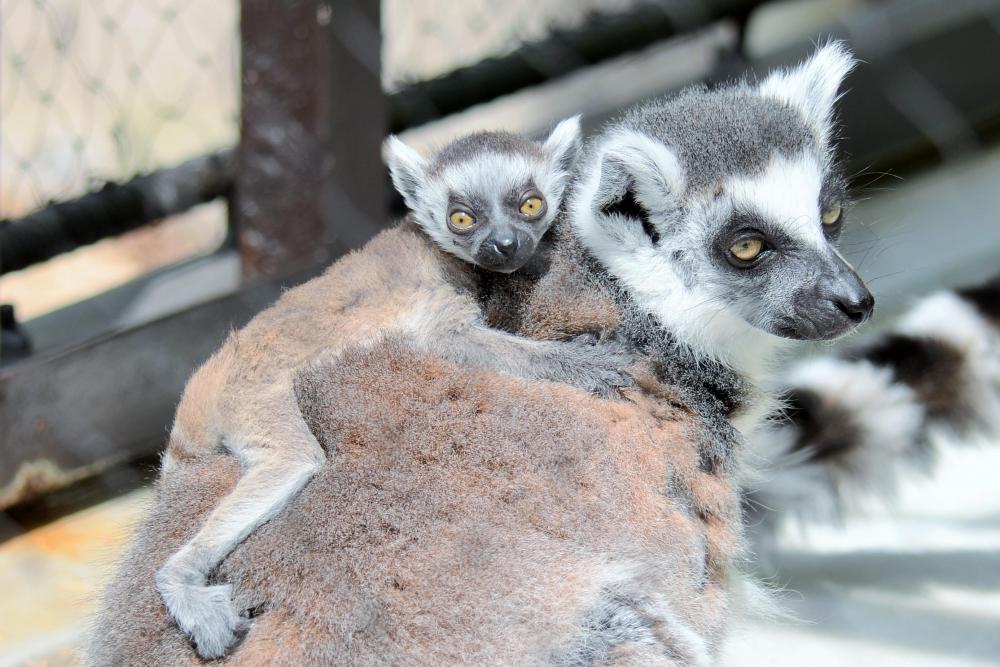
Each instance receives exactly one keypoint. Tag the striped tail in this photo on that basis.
(856, 422)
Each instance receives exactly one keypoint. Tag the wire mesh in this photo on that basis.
(428, 38)
(103, 89)
(98, 90)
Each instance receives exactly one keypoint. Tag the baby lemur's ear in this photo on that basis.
(408, 169)
(563, 144)
(812, 87)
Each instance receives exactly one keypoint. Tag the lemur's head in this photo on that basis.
(719, 210)
(489, 197)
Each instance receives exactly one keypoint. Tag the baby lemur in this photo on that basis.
(486, 200)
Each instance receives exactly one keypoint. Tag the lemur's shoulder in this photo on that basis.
(400, 256)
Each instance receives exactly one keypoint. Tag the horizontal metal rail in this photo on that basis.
(74, 413)
(118, 207)
(114, 209)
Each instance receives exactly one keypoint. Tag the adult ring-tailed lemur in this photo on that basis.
(469, 516)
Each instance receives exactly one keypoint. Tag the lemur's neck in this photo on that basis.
(567, 291)
(697, 344)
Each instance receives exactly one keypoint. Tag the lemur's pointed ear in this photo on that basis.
(812, 86)
(640, 185)
(408, 170)
(647, 166)
(563, 144)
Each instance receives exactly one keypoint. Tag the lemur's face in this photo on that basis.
(493, 209)
(720, 209)
(766, 246)
(488, 198)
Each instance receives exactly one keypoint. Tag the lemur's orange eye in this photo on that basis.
(747, 249)
(532, 206)
(831, 216)
(461, 221)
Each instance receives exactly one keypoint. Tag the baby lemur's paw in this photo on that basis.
(600, 367)
(205, 613)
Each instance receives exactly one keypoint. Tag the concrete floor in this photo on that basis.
(51, 578)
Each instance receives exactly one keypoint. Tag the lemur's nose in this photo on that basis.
(506, 246)
(858, 307)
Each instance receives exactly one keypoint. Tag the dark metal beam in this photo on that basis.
(116, 208)
(601, 36)
(310, 178)
(69, 415)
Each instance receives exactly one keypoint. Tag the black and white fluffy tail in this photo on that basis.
(854, 423)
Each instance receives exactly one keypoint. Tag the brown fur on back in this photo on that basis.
(466, 518)
(463, 517)
(396, 275)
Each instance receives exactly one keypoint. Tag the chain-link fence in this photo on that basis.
(426, 39)
(103, 89)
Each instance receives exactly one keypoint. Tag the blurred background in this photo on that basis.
(167, 166)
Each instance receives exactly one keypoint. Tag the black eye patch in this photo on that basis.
(472, 202)
(628, 205)
(512, 199)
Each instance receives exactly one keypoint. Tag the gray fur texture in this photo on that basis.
(721, 133)
(469, 518)
(666, 194)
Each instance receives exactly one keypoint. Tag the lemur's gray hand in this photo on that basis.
(596, 367)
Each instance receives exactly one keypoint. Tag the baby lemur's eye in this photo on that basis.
(532, 205)
(831, 216)
(747, 250)
(460, 220)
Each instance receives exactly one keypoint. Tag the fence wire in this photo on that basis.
(103, 89)
(426, 38)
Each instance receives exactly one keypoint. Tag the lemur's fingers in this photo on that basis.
(206, 614)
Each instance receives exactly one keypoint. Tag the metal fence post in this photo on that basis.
(309, 183)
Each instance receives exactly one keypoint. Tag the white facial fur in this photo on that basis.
(718, 311)
(787, 191)
(697, 314)
(487, 177)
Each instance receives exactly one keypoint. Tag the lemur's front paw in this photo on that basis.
(601, 368)
(205, 613)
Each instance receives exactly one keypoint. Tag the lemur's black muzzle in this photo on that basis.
(504, 251)
(505, 246)
(837, 302)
